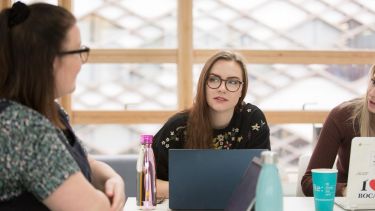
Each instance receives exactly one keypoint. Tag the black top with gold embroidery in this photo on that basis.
(247, 129)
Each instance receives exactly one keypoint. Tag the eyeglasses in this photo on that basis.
(83, 53)
(231, 84)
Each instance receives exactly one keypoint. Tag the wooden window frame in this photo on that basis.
(185, 56)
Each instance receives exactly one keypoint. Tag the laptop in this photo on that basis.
(243, 197)
(204, 179)
(360, 192)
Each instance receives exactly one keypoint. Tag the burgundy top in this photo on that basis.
(334, 139)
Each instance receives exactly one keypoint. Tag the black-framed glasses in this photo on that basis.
(231, 84)
(83, 53)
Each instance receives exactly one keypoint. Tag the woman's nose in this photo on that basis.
(222, 86)
(371, 91)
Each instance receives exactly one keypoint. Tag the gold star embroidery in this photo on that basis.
(220, 137)
(239, 139)
(255, 127)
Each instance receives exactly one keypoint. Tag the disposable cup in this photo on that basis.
(324, 188)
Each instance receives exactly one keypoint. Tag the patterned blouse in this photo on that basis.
(32, 156)
(247, 129)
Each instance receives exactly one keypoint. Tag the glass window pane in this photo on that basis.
(292, 87)
(127, 23)
(112, 138)
(126, 86)
(290, 24)
(289, 140)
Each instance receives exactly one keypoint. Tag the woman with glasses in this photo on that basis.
(42, 163)
(218, 119)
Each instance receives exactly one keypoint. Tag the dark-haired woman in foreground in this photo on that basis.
(43, 166)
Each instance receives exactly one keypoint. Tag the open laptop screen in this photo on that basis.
(206, 179)
(361, 178)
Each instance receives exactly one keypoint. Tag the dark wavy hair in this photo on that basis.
(199, 130)
(27, 53)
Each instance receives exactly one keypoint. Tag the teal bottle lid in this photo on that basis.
(269, 157)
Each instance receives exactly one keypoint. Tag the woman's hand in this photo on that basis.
(115, 191)
(162, 189)
(343, 191)
(104, 178)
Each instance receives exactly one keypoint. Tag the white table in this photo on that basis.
(290, 204)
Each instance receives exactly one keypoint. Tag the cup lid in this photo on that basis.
(324, 170)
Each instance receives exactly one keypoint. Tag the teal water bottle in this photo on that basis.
(269, 194)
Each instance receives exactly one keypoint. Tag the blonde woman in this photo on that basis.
(346, 121)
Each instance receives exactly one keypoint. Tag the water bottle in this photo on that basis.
(269, 195)
(146, 177)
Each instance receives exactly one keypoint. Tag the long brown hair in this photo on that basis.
(361, 116)
(199, 130)
(27, 53)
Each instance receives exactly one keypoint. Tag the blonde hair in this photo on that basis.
(361, 115)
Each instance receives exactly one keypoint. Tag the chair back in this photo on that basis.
(302, 166)
(125, 166)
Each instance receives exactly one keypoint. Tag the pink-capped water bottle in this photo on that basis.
(146, 174)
